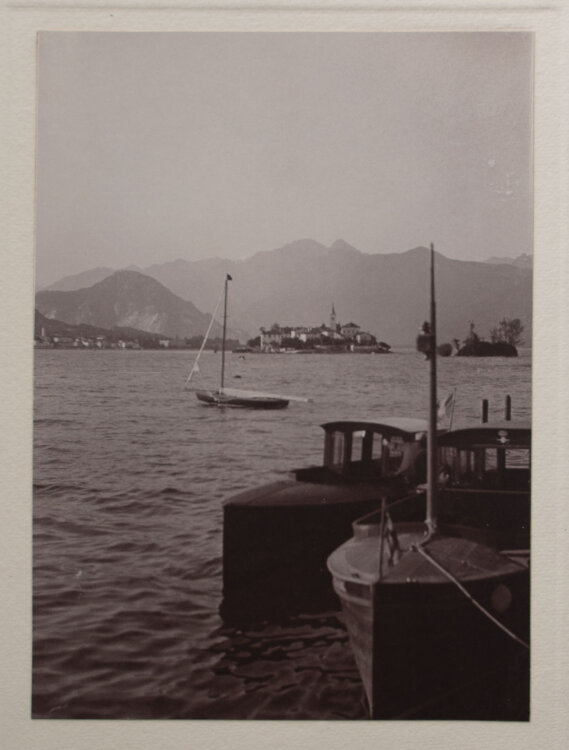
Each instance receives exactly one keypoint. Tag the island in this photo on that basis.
(504, 339)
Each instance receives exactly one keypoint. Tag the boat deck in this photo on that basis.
(359, 559)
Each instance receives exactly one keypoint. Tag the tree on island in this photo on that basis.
(502, 345)
(254, 343)
(509, 331)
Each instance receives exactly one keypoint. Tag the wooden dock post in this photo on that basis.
(484, 410)
(508, 409)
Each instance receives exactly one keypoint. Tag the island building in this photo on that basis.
(334, 335)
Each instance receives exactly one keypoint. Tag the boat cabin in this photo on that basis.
(486, 477)
(488, 456)
(365, 450)
(277, 537)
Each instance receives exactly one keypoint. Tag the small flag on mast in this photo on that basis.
(444, 407)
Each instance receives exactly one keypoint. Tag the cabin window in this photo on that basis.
(448, 460)
(500, 468)
(490, 459)
(486, 460)
(517, 458)
(506, 458)
(461, 464)
(335, 451)
(447, 456)
(467, 462)
(357, 445)
(394, 448)
(377, 449)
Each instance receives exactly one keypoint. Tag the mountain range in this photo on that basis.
(385, 294)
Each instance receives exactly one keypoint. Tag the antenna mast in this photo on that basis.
(431, 519)
(227, 280)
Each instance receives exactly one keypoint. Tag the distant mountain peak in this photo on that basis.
(525, 260)
(128, 277)
(341, 246)
(302, 243)
(295, 248)
(126, 273)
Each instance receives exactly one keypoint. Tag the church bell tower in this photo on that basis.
(333, 318)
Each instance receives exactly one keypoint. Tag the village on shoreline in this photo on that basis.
(332, 338)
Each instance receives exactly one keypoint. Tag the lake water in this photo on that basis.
(130, 472)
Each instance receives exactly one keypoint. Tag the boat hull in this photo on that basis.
(425, 651)
(274, 554)
(214, 398)
(277, 538)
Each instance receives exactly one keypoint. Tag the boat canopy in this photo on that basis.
(490, 435)
(405, 427)
(488, 456)
(357, 447)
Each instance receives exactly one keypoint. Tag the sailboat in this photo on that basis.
(233, 397)
(437, 612)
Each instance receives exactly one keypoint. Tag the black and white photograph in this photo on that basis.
(283, 376)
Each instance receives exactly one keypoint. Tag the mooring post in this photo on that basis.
(508, 408)
(484, 410)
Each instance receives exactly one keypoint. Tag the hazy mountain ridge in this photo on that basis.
(128, 299)
(386, 294)
(81, 280)
(522, 261)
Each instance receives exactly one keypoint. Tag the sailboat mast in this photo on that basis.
(227, 280)
(431, 520)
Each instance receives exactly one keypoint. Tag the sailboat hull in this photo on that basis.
(422, 648)
(215, 398)
(223, 397)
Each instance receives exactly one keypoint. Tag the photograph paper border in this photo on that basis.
(19, 24)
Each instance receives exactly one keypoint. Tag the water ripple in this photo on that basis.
(130, 473)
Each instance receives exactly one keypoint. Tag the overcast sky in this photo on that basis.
(157, 146)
